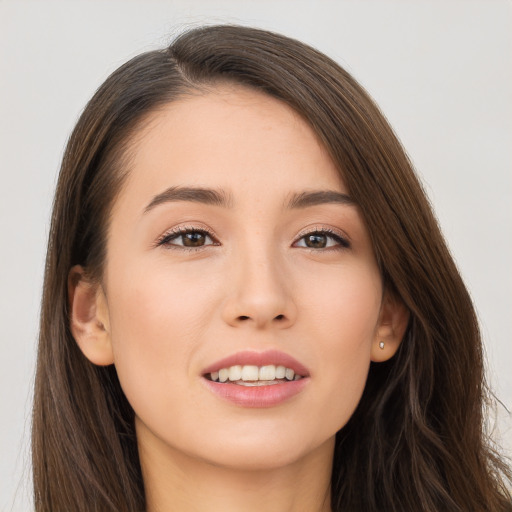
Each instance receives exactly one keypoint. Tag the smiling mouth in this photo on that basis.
(251, 375)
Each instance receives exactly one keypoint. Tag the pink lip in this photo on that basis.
(268, 357)
(258, 396)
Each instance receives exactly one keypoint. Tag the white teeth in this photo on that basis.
(267, 372)
(253, 375)
(257, 383)
(235, 373)
(250, 373)
(280, 372)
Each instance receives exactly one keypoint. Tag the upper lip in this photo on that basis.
(249, 357)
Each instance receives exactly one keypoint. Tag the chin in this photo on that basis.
(261, 453)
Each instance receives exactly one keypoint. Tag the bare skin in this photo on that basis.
(174, 482)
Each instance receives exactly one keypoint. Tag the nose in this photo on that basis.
(259, 294)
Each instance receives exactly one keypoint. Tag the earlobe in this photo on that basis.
(89, 320)
(393, 321)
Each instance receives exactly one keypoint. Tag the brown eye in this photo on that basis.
(322, 240)
(193, 239)
(187, 238)
(316, 241)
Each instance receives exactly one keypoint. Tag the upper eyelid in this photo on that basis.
(187, 229)
(323, 229)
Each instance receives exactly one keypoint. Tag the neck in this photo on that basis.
(175, 481)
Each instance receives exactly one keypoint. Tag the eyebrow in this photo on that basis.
(193, 194)
(221, 198)
(317, 197)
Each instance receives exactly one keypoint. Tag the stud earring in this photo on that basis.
(381, 345)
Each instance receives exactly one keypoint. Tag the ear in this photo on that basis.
(393, 321)
(89, 317)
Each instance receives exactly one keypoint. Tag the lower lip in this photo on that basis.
(257, 396)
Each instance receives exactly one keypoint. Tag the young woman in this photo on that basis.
(248, 304)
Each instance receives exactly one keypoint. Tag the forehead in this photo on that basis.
(233, 138)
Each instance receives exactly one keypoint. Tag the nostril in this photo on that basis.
(245, 317)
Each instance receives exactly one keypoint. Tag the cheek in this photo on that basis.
(344, 307)
(156, 322)
(155, 303)
(343, 316)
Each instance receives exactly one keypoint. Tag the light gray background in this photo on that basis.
(440, 70)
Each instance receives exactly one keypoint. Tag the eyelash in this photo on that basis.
(166, 238)
(341, 240)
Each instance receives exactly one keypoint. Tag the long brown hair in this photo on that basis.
(416, 442)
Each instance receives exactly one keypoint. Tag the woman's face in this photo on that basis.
(234, 245)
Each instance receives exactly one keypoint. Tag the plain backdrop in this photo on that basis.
(440, 70)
